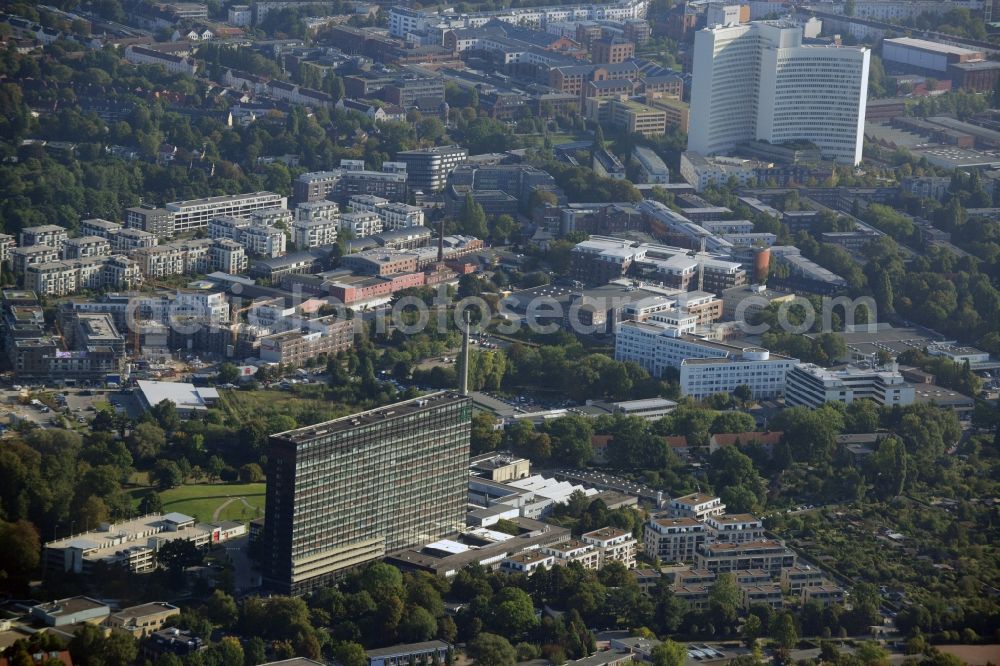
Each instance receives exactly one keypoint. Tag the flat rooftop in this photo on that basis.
(935, 47)
(184, 396)
(395, 410)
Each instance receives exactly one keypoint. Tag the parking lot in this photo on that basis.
(78, 401)
(603, 481)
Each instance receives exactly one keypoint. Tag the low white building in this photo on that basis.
(696, 505)
(667, 340)
(813, 386)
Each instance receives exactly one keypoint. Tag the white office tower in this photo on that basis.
(758, 81)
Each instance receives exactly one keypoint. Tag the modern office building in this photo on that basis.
(667, 340)
(428, 169)
(344, 492)
(813, 386)
(759, 82)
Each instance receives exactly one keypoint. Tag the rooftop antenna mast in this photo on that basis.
(464, 385)
(701, 266)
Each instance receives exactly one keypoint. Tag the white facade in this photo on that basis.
(125, 241)
(766, 376)
(400, 216)
(813, 386)
(361, 224)
(196, 213)
(263, 241)
(706, 367)
(314, 233)
(757, 81)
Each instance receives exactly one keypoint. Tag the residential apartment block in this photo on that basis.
(84, 247)
(46, 234)
(196, 213)
(99, 227)
(674, 539)
(615, 545)
(339, 184)
(22, 257)
(156, 221)
(7, 243)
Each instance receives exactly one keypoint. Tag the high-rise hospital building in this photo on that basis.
(345, 492)
(758, 81)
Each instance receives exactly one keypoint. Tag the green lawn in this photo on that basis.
(202, 500)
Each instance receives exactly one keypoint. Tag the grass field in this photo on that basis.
(202, 500)
(305, 404)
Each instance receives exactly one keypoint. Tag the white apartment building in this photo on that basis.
(22, 257)
(674, 539)
(529, 562)
(126, 241)
(228, 256)
(366, 203)
(46, 234)
(400, 215)
(696, 505)
(196, 213)
(272, 217)
(98, 227)
(734, 528)
(573, 550)
(226, 227)
(63, 278)
(361, 224)
(614, 544)
(403, 20)
(894, 10)
(314, 232)
(86, 246)
(176, 258)
(7, 243)
(263, 241)
(316, 210)
(813, 386)
(210, 307)
(758, 81)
